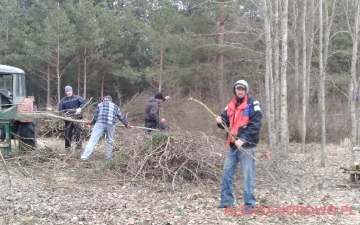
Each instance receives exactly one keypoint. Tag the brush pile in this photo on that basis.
(162, 156)
(172, 156)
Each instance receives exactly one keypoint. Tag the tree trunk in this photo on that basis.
(196, 84)
(321, 84)
(102, 73)
(48, 102)
(353, 81)
(161, 67)
(310, 49)
(58, 70)
(327, 25)
(220, 58)
(268, 72)
(304, 78)
(296, 64)
(85, 65)
(284, 135)
(277, 71)
(79, 73)
(102, 83)
(6, 41)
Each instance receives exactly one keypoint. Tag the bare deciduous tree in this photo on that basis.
(353, 86)
(304, 76)
(276, 88)
(284, 134)
(321, 83)
(267, 11)
(220, 57)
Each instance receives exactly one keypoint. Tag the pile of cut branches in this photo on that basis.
(55, 128)
(173, 157)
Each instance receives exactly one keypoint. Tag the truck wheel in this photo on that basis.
(26, 132)
(14, 129)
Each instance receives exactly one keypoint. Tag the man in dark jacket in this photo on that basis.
(243, 118)
(72, 106)
(152, 113)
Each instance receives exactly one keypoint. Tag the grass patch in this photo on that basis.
(180, 210)
(113, 164)
(155, 140)
(263, 201)
(356, 209)
(228, 219)
(168, 207)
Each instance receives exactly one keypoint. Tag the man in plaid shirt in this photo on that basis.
(105, 120)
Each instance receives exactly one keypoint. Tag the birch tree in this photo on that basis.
(276, 89)
(307, 51)
(322, 82)
(324, 39)
(296, 57)
(353, 86)
(267, 12)
(220, 56)
(304, 77)
(284, 134)
(310, 33)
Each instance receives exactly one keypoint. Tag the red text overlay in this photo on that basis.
(289, 210)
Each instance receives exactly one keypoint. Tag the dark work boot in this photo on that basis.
(220, 206)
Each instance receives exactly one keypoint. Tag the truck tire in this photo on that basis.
(26, 132)
(14, 129)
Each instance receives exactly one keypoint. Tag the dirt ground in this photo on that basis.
(57, 189)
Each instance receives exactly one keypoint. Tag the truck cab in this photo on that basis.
(13, 101)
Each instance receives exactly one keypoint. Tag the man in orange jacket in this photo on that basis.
(243, 117)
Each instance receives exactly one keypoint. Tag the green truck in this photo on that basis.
(14, 102)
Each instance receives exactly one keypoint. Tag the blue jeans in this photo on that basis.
(96, 133)
(247, 164)
(153, 125)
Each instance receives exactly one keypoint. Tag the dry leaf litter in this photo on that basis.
(169, 178)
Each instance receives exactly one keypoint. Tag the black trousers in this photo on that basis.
(69, 127)
(153, 125)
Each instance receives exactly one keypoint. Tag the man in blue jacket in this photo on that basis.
(243, 117)
(72, 106)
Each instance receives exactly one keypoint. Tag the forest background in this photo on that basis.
(299, 58)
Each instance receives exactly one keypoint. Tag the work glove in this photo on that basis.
(128, 126)
(89, 122)
(78, 111)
